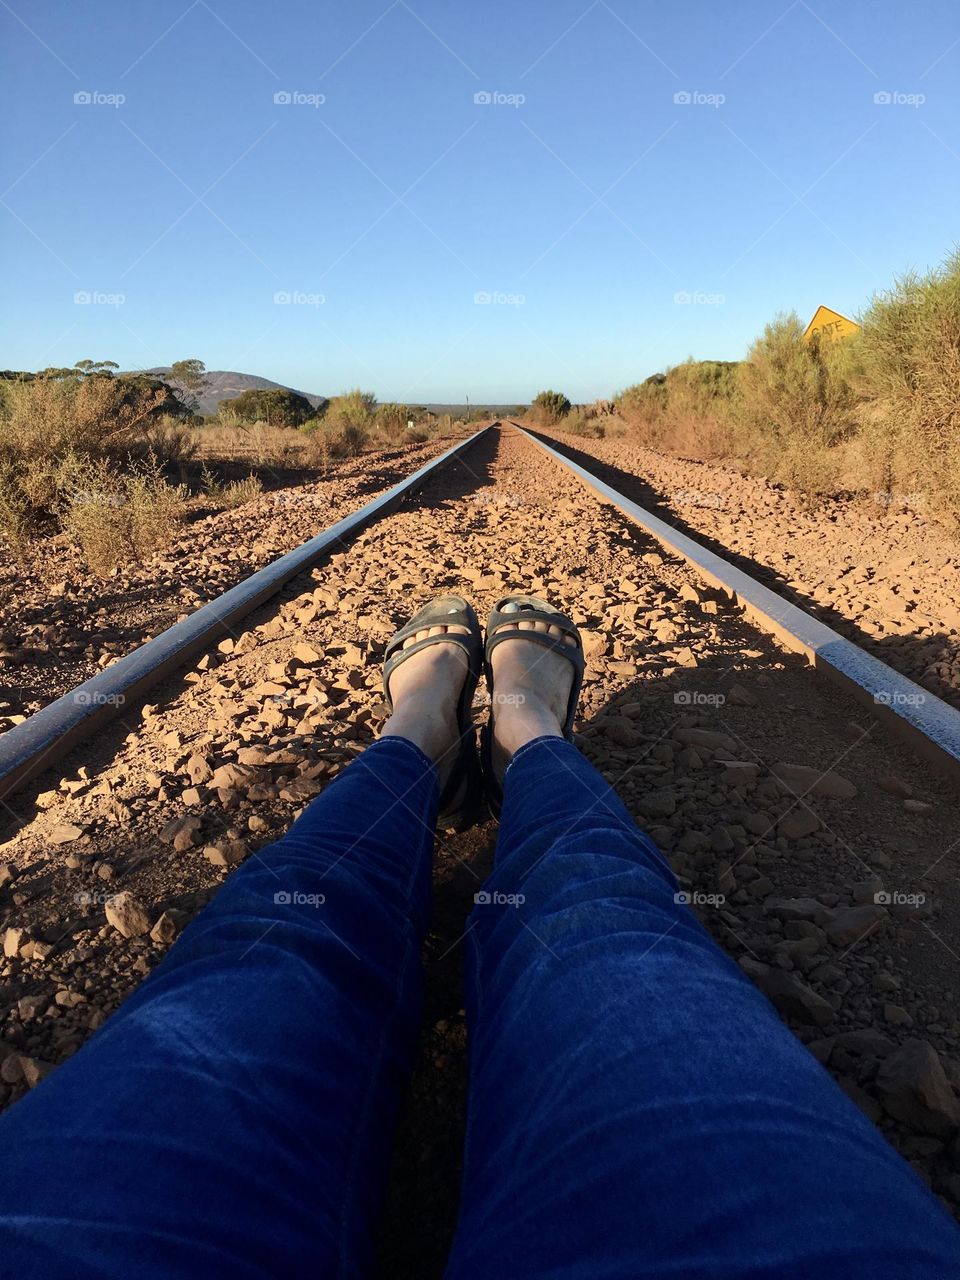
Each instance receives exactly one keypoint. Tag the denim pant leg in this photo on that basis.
(637, 1108)
(235, 1116)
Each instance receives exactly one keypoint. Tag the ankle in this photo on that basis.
(519, 718)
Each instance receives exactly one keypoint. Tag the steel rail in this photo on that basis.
(927, 723)
(47, 735)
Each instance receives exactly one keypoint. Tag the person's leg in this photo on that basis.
(234, 1117)
(637, 1108)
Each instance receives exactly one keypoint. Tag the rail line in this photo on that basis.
(927, 723)
(930, 726)
(826, 845)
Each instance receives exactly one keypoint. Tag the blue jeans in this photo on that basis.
(637, 1108)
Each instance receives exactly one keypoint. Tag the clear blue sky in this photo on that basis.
(582, 210)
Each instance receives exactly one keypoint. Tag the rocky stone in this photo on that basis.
(806, 909)
(167, 927)
(232, 777)
(226, 853)
(12, 940)
(658, 804)
(182, 832)
(692, 737)
(795, 999)
(852, 924)
(797, 823)
(803, 780)
(64, 833)
(915, 1090)
(127, 915)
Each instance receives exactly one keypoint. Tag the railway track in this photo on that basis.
(817, 845)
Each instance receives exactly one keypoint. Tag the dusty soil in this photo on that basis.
(60, 624)
(879, 573)
(836, 889)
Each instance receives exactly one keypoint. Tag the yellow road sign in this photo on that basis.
(831, 324)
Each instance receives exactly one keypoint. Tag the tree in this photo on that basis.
(96, 368)
(277, 406)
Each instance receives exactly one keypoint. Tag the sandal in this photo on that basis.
(461, 794)
(530, 609)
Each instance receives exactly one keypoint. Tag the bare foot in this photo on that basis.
(425, 690)
(531, 688)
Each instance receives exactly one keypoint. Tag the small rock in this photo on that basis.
(852, 924)
(65, 833)
(915, 1089)
(167, 927)
(127, 915)
(226, 853)
(797, 823)
(795, 999)
(12, 940)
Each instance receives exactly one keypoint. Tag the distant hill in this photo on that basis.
(219, 384)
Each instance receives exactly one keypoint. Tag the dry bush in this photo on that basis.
(259, 442)
(114, 517)
(95, 417)
(229, 494)
(688, 410)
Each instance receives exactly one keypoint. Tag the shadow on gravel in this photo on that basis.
(910, 654)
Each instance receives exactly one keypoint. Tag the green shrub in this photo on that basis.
(908, 354)
(549, 407)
